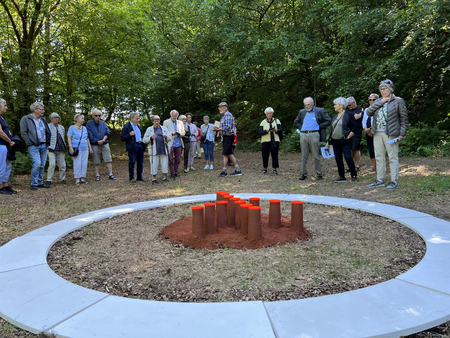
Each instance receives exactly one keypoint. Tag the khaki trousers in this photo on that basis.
(310, 141)
(53, 158)
(381, 146)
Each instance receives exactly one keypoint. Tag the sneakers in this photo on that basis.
(274, 172)
(237, 173)
(341, 180)
(154, 181)
(392, 185)
(206, 167)
(223, 174)
(264, 172)
(4, 191)
(97, 177)
(111, 177)
(211, 167)
(192, 168)
(377, 184)
(354, 179)
(11, 190)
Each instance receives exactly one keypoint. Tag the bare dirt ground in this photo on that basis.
(118, 254)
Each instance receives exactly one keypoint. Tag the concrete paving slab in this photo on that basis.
(327, 200)
(122, 317)
(36, 299)
(389, 309)
(433, 271)
(261, 196)
(389, 211)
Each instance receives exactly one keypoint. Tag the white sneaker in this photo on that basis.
(211, 167)
(192, 168)
(206, 167)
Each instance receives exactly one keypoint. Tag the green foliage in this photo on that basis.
(422, 140)
(290, 143)
(22, 164)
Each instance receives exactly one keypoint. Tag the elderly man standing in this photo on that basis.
(56, 150)
(132, 135)
(312, 123)
(99, 133)
(228, 129)
(175, 144)
(36, 134)
(355, 113)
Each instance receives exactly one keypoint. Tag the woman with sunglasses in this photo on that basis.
(390, 124)
(367, 123)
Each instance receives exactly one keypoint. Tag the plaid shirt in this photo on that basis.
(227, 124)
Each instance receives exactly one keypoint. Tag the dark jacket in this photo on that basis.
(12, 150)
(345, 126)
(131, 144)
(94, 135)
(397, 116)
(355, 125)
(322, 118)
(29, 133)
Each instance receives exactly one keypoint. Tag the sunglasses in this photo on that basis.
(386, 81)
(97, 115)
(371, 99)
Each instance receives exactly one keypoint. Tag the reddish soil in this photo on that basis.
(180, 232)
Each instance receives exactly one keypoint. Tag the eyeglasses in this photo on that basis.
(156, 120)
(372, 99)
(384, 88)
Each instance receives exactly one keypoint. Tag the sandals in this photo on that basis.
(97, 177)
(83, 182)
(111, 177)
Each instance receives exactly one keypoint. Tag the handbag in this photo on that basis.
(75, 150)
(203, 138)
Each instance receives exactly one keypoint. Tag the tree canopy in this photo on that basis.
(153, 56)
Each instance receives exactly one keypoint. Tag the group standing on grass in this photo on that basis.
(384, 122)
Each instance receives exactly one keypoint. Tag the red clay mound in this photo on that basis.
(180, 232)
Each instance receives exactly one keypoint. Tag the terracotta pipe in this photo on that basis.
(275, 214)
(210, 218)
(254, 201)
(297, 215)
(227, 197)
(254, 223)
(221, 214)
(244, 217)
(232, 211)
(198, 229)
(237, 213)
(220, 194)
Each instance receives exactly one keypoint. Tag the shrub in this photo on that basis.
(422, 140)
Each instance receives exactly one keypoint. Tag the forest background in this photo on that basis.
(153, 56)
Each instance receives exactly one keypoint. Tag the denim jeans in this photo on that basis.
(136, 157)
(208, 148)
(38, 157)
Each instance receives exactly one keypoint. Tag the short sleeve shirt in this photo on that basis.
(76, 135)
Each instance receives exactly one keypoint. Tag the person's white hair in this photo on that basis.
(350, 99)
(77, 116)
(182, 117)
(269, 110)
(52, 115)
(36, 105)
(2, 103)
(94, 110)
(341, 100)
(309, 98)
(153, 117)
(133, 114)
(376, 96)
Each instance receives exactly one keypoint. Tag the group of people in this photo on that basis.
(175, 136)
(385, 123)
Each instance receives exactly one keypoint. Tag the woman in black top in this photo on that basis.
(340, 139)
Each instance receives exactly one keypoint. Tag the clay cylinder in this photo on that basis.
(297, 215)
(254, 201)
(198, 229)
(232, 212)
(237, 213)
(227, 197)
(210, 218)
(275, 214)
(220, 194)
(221, 214)
(244, 217)
(254, 223)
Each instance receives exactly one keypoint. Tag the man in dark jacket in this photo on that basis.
(132, 135)
(312, 123)
(98, 136)
(36, 134)
(355, 113)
